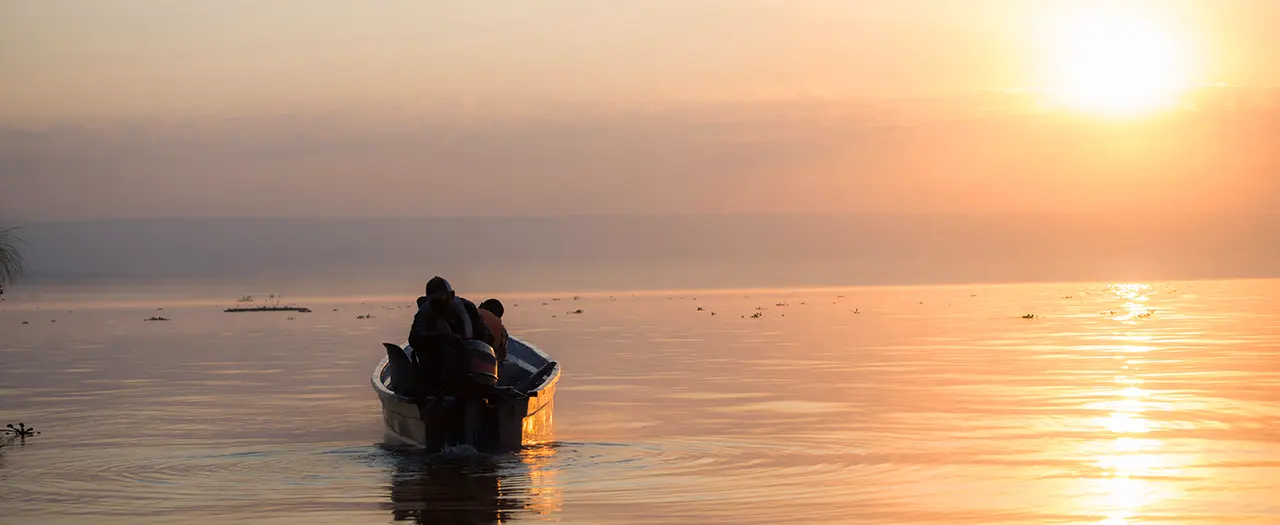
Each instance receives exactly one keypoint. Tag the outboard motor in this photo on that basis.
(472, 377)
(482, 362)
(471, 370)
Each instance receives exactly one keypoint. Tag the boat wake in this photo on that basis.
(458, 453)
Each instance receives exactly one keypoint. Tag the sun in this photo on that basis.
(1116, 63)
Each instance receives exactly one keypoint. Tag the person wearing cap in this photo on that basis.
(442, 323)
(491, 311)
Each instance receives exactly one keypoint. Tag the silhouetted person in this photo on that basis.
(491, 311)
(442, 323)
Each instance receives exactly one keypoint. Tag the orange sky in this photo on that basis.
(161, 108)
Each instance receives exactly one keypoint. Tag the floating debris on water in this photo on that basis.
(1029, 316)
(22, 430)
(156, 318)
(575, 312)
(298, 309)
(19, 433)
(757, 315)
(699, 308)
(365, 316)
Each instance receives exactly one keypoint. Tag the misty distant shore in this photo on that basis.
(646, 252)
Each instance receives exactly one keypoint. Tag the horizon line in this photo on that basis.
(19, 222)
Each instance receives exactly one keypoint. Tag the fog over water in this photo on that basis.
(644, 252)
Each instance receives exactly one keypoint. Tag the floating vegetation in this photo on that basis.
(1029, 316)
(156, 318)
(19, 433)
(298, 309)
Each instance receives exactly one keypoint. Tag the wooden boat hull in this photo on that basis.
(522, 412)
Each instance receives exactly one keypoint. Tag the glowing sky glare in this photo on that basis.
(1117, 63)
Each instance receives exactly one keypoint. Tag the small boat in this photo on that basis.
(516, 412)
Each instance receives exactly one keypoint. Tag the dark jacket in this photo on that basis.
(435, 338)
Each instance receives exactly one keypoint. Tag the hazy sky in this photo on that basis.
(153, 108)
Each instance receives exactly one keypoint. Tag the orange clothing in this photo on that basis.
(494, 323)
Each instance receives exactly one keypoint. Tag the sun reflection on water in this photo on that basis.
(1135, 297)
(1129, 461)
(545, 493)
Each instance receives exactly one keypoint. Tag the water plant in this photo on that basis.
(19, 433)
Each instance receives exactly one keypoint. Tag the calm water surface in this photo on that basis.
(1118, 404)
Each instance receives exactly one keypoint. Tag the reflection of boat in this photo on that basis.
(476, 489)
(449, 493)
(518, 411)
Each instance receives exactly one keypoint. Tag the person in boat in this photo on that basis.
(491, 311)
(443, 323)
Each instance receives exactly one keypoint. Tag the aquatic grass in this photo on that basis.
(13, 434)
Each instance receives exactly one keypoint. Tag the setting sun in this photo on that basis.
(1117, 64)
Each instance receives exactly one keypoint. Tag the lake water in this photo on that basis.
(1152, 403)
